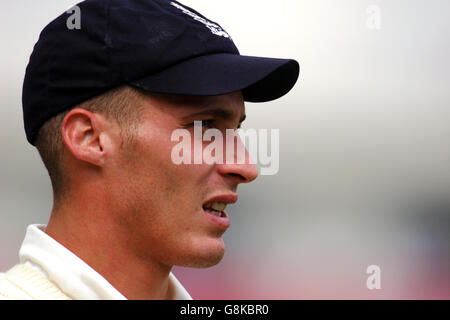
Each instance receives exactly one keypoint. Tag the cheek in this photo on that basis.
(153, 180)
(156, 182)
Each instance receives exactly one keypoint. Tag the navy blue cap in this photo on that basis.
(160, 46)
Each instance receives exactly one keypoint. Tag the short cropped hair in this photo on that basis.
(122, 104)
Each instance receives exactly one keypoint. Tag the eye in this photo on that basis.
(208, 124)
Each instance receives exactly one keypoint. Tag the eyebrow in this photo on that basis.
(221, 113)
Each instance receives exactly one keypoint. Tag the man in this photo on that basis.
(101, 99)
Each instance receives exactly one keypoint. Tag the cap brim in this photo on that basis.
(260, 79)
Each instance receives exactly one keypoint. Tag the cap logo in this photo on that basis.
(215, 29)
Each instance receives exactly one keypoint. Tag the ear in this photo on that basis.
(84, 135)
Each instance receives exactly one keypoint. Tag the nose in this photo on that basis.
(234, 167)
(241, 173)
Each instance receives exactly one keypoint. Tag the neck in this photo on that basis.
(87, 229)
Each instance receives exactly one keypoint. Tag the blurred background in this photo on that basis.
(364, 173)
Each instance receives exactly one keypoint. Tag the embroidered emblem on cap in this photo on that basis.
(215, 29)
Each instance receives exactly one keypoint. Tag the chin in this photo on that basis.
(206, 255)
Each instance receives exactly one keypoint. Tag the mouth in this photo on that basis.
(215, 207)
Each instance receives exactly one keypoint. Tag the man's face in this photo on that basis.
(162, 205)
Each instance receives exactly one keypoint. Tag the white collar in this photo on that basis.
(73, 276)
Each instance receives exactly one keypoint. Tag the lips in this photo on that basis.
(225, 198)
(215, 209)
(217, 204)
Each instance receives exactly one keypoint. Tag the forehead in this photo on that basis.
(183, 105)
